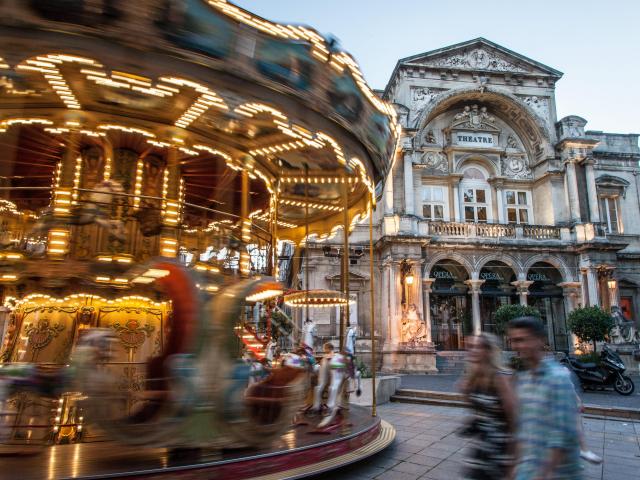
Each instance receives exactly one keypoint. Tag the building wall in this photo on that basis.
(477, 109)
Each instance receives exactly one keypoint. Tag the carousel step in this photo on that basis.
(428, 401)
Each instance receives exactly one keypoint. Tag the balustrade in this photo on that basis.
(541, 232)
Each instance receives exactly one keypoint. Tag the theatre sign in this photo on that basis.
(474, 139)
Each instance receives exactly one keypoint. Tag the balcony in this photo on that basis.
(495, 231)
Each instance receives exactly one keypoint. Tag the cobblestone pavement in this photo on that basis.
(426, 447)
(446, 383)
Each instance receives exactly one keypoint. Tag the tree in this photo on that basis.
(506, 313)
(590, 324)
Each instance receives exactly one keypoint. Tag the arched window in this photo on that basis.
(476, 195)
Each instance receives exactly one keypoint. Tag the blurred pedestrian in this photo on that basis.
(487, 387)
(547, 431)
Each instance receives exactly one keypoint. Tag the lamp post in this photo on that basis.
(407, 278)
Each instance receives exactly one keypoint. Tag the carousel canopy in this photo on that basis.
(133, 86)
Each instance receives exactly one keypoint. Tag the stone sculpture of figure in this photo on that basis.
(309, 333)
(430, 137)
(623, 330)
(413, 328)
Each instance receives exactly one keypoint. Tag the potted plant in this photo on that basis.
(590, 324)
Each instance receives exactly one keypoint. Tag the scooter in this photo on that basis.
(609, 373)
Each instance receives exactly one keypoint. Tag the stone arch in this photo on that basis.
(554, 260)
(479, 158)
(500, 257)
(532, 130)
(432, 260)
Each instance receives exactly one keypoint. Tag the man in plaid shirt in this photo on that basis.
(547, 434)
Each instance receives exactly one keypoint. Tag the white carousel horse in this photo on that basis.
(309, 333)
(337, 370)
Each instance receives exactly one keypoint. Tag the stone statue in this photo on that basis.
(413, 328)
(623, 331)
(430, 138)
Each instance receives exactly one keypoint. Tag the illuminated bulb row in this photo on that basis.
(207, 100)
(107, 168)
(319, 47)
(356, 164)
(208, 288)
(252, 109)
(49, 66)
(14, 302)
(10, 207)
(138, 184)
(5, 124)
(318, 206)
(8, 277)
(165, 190)
(168, 247)
(3, 63)
(11, 256)
(301, 179)
(203, 267)
(58, 242)
(117, 259)
(266, 218)
(122, 128)
(113, 281)
(336, 147)
(76, 180)
(62, 199)
(264, 295)
(283, 147)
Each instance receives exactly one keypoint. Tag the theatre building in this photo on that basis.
(492, 200)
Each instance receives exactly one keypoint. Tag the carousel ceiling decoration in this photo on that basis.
(317, 298)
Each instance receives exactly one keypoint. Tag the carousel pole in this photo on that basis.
(274, 235)
(245, 226)
(373, 312)
(345, 259)
(306, 242)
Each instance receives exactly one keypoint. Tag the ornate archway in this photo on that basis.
(532, 130)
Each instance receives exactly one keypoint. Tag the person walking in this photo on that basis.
(487, 387)
(547, 430)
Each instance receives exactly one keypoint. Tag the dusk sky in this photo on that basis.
(596, 44)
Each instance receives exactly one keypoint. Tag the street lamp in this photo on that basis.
(612, 284)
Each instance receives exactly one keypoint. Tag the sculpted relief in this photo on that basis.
(420, 98)
(476, 117)
(478, 58)
(540, 105)
(516, 166)
(435, 162)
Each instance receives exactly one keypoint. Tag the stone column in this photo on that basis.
(394, 330)
(409, 197)
(455, 188)
(571, 293)
(593, 286)
(592, 194)
(426, 295)
(474, 290)
(572, 190)
(499, 203)
(522, 288)
(388, 194)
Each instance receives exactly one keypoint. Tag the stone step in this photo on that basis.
(427, 401)
(452, 399)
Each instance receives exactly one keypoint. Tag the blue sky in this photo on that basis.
(596, 44)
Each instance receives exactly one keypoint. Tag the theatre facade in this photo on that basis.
(492, 200)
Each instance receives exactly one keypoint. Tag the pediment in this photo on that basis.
(481, 55)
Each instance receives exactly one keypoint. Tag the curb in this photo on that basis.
(450, 399)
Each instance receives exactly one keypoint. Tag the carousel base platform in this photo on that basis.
(300, 452)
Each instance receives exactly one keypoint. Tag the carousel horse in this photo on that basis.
(337, 370)
(96, 209)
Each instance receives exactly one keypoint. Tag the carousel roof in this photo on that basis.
(225, 89)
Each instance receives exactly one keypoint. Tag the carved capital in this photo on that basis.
(474, 285)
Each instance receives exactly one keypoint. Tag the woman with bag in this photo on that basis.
(487, 387)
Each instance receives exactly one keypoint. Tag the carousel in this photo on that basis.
(157, 158)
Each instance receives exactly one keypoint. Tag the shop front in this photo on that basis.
(496, 290)
(546, 295)
(450, 305)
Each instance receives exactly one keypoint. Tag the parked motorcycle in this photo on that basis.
(608, 374)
